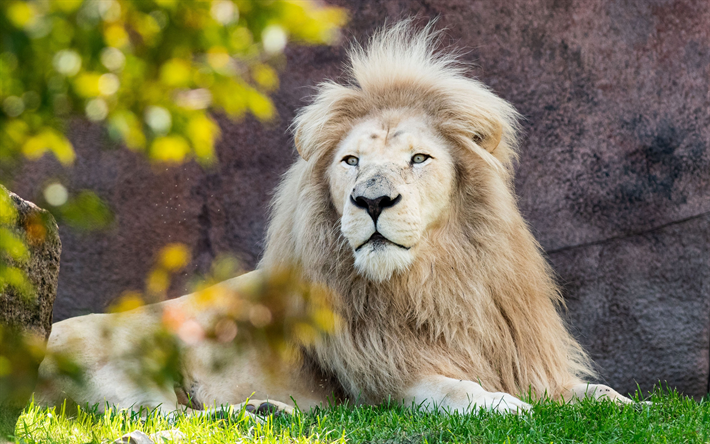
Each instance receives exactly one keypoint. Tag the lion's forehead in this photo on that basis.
(384, 137)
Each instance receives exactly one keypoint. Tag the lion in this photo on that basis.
(401, 205)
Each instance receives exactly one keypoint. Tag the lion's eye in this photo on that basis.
(351, 160)
(419, 158)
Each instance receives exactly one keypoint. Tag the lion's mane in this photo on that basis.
(479, 302)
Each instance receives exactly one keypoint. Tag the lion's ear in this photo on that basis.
(320, 124)
(491, 140)
(307, 146)
(306, 137)
(299, 146)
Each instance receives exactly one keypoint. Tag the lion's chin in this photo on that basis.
(378, 262)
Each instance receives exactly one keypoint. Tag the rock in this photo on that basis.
(614, 148)
(38, 230)
(26, 319)
(135, 437)
(168, 436)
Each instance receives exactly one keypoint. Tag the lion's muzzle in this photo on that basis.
(380, 221)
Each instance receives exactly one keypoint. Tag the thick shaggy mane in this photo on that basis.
(401, 68)
(479, 302)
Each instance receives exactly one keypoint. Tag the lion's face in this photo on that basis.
(391, 180)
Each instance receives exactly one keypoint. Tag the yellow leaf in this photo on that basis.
(231, 96)
(16, 130)
(116, 36)
(260, 105)
(21, 13)
(16, 278)
(304, 333)
(207, 296)
(202, 132)
(314, 25)
(36, 346)
(66, 6)
(158, 281)
(87, 84)
(128, 127)
(241, 39)
(8, 213)
(61, 147)
(218, 58)
(265, 76)
(49, 140)
(129, 301)
(325, 319)
(147, 27)
(169, 149)
(13, 246)
(176, 73)
(332, 19)
(174, 256)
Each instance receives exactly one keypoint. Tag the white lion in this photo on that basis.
(402, 205)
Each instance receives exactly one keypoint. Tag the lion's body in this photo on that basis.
(498, 322)
(450, 291)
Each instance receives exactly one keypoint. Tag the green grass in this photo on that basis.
(671, 418)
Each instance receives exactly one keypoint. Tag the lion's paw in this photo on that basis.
(501, 403)
(600, 391)
(266, 407)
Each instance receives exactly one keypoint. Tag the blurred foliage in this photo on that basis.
(20, 355)
(152, 72)
(149, 69)
(13, 251)
(274, 314)
(82, 211)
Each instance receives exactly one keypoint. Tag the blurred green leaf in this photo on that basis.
(13, 246)
(17, 279)
(8, 213)
(85, 211)
(13, 251)
(152, 70)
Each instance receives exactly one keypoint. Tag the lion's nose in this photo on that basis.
(375, 206)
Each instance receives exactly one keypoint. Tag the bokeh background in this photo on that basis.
(614, 172)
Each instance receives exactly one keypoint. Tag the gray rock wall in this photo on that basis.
(614, 174)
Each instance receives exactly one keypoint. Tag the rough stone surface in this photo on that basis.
(26, 320)
(614, 171)
(38, 230)
(640, 305)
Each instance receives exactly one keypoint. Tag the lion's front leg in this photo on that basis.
(439, 393)
(595, 391)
